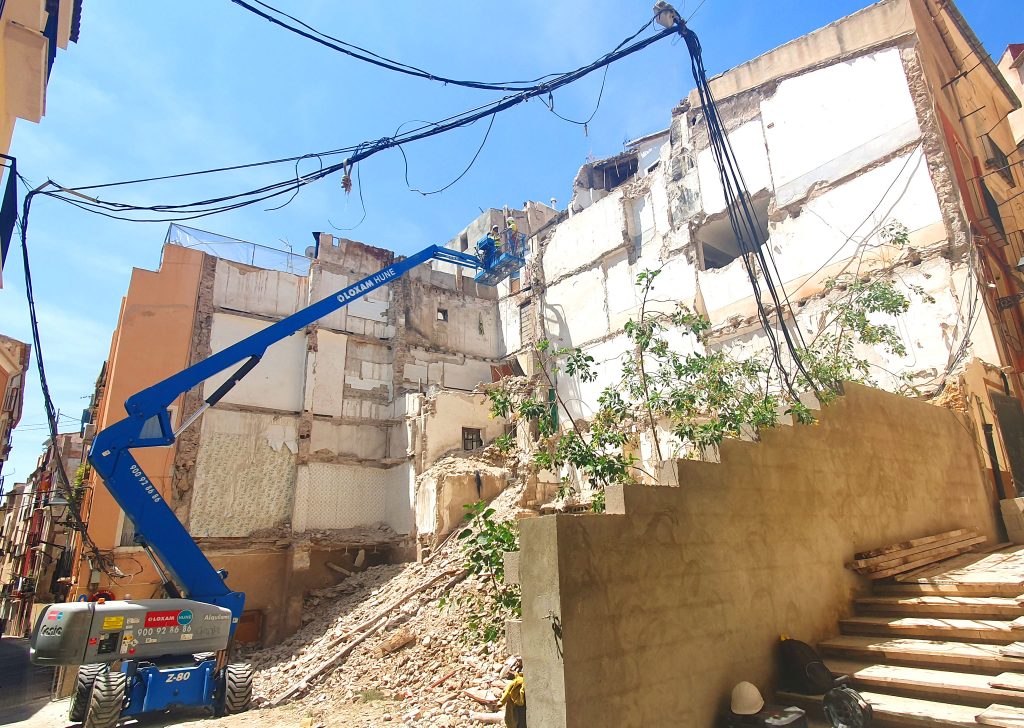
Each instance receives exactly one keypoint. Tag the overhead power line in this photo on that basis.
(60, 480)
(304, 30)
(76, 196)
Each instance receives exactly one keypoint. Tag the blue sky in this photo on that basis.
(161, 87)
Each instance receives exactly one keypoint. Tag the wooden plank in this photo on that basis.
(928, 683)
(1008, 681)
(1002, 716)
(937, 605)
(931, 552)
(975, 630)
(903, 553)
(926, 653)
(930, 558)
(898, 711)
(924, 587)
(908, 544)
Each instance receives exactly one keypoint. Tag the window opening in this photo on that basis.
(718, 244)
(472, 438)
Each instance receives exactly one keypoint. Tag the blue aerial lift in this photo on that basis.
(173, 652)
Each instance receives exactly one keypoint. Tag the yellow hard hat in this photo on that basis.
(746, 699)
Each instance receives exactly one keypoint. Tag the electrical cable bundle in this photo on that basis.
(744, 223)
(201, 208)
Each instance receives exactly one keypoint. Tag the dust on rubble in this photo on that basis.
(381, 642)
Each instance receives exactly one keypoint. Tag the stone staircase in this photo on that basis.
(927, 652)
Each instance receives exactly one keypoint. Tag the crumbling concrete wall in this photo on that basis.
(447, 413)
(832, 147)
(444, 491)
(311, 437)
(617, 606)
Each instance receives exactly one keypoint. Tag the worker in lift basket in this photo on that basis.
(512, 235)
(495, 235)
(485, 251)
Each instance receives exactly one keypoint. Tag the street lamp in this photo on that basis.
(60, 508)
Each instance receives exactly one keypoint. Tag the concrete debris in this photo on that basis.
(396, 641)
(459, 462)
(384, 634)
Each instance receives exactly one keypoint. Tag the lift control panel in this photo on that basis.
(80, 633)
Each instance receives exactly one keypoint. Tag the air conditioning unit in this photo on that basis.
(88, 432)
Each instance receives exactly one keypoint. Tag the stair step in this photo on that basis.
(942, 606)
(892, 710)
(974, 589)
(975, 630)
(924, 653)
(930, 684)
(1003, 716)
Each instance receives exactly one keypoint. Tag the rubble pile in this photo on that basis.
(393, 633)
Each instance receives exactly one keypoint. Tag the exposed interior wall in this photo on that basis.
(311, 439)
(741, 552)
(245, 473)
(445, 416)
(334, 496)
(836, 137)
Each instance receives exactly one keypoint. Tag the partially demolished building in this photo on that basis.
(893, 114)
(884, 116)
(308, 468)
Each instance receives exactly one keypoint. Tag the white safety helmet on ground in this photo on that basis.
(746, 699)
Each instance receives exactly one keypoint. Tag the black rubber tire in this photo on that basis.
(237, 683)
(87, 675)
(107, 700)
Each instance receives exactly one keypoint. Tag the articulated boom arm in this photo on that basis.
(148, 425)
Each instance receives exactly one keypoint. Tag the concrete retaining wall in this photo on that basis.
(676, 594)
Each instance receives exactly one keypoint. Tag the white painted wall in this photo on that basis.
(325, 374)
(257, 290)
(575, 310)
(585, 237)
(834, 224)
(450, 412)
(749, 146)
(276, 382)
(367, 442)
(822, 116)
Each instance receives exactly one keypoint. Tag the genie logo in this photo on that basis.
(185, 617)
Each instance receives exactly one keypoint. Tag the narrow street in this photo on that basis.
(22, 685)
(360, 715)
